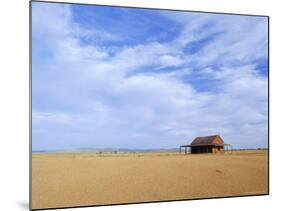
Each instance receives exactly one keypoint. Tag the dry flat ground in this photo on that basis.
(80, 179)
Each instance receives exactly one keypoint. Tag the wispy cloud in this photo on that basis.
(94, 88)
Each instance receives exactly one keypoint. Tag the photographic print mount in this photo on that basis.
(116, 91)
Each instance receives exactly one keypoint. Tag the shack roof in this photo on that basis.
(207, 140)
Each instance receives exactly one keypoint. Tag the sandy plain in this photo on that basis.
(82, 179)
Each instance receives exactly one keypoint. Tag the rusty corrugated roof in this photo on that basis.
(207, 140)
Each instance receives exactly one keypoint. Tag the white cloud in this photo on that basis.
(169, 60)
(63, 118)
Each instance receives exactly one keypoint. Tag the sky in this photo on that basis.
(111, 77)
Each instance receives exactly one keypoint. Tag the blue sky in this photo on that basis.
(135, 78)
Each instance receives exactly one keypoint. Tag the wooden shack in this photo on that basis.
(206, 144)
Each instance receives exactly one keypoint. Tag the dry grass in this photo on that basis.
(78, 179)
